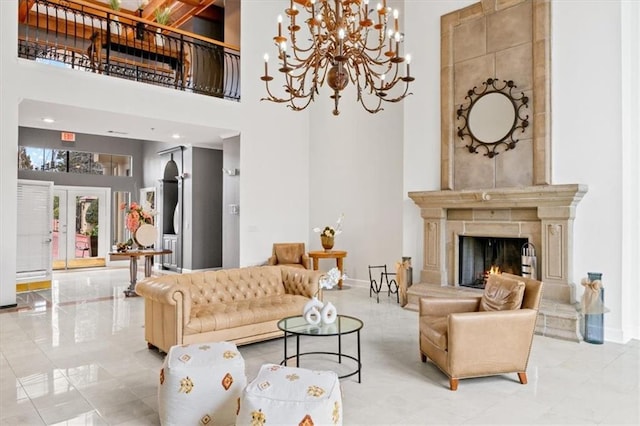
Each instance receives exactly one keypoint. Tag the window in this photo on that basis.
(56, 160)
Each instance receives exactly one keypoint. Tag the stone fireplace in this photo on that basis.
(541, 215)
(495, 163)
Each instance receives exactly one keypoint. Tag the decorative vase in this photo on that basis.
(594, 321)
(176, 219)
(316, 313)
(327, 242)
(328, 313)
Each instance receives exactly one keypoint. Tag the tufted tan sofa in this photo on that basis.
(237, 305)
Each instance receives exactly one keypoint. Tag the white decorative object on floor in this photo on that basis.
(291, 396)
(201, 383)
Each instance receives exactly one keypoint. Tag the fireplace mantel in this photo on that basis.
(543, 214)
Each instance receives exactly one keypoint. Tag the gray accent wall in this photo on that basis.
(204, 187)
(28, 136)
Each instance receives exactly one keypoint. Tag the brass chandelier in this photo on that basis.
(347, 42)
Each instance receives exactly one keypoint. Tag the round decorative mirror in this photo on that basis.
(492, 117)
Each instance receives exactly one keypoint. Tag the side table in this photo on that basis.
(338, 255)
(133, 256)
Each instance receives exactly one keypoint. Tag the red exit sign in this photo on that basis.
(67, 136)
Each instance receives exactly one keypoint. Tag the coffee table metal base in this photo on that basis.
(338, 354)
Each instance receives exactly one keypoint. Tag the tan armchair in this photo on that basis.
(481, 336)
(289, 254)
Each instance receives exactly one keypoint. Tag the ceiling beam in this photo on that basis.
(193, 3)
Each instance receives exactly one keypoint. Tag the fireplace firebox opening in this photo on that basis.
(478, 256)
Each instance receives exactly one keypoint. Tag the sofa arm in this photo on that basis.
(305, 261)
(303, 282)
(442, 306)
(273, 260)
(169, 290)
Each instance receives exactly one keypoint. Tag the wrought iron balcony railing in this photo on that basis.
(91, 38)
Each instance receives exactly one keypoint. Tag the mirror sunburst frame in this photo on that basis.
(512, 123)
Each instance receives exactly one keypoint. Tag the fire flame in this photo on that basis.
(495, 270)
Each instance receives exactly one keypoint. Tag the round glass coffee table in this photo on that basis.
(297, 326)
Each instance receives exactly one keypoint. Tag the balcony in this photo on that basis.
(91, 38)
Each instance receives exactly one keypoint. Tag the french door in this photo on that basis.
(80, 226)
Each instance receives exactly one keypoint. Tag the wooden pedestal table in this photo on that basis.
(338, 255)
(133, 256)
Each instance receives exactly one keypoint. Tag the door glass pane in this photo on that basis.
(86, 226)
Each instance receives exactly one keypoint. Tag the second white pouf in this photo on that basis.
(291, 396)
(201, 384)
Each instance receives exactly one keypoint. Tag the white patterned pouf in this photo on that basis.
(201, 384)
(291, 396)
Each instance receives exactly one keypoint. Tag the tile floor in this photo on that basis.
(76, 354)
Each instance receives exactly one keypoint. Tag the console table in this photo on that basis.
(133, 256)
(338, 255)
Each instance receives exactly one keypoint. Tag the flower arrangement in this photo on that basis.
(136, 216)
(330, 231)
(331, 278)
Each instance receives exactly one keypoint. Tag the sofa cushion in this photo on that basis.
(502, 294)
(435, 328)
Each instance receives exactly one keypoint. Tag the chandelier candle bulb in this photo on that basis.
(395, 17)
(279, 25)
(408, 58)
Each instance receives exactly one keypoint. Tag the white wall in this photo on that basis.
(421, 171)
(630, 169)
(274, 148)
(9, 98)
(587, 141)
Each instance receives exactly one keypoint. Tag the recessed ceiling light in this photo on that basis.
(176, 136)
(48, 120)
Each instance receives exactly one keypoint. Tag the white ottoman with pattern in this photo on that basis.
(291, 396)
(201, 384)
